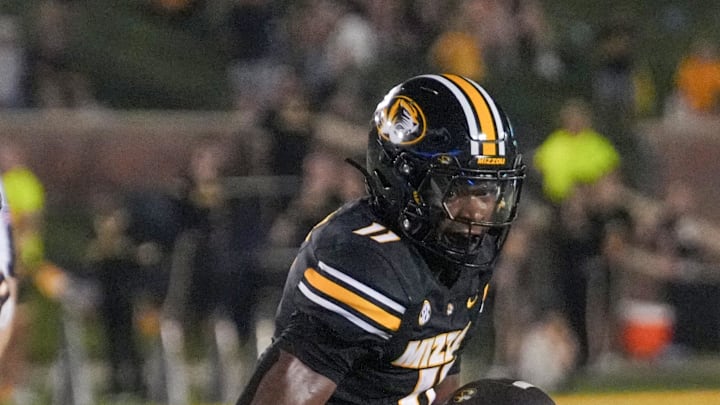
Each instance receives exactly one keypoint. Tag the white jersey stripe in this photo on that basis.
(362, 288)
(372, 228)
(340, 311)
(386, 237)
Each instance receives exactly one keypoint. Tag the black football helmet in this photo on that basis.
(437, 138)
(502, 391)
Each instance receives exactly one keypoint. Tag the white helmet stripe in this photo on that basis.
(467, 108)
(496, 115)
(494, 131)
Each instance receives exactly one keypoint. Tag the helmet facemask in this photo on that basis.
(460, 213)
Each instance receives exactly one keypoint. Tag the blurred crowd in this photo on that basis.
(608, 261)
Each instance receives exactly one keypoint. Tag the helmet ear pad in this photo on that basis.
(416, 216)
(404, 166)
(401, 182)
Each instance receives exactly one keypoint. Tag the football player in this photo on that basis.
(385, 292)
(8, 284)
(500, 392)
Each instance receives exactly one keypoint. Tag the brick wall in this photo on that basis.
(77, 151)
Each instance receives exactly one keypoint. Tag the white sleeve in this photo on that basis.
(6, 252)
(7, 309)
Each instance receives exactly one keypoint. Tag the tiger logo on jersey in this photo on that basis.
(401, 121)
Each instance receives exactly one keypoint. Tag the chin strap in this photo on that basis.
(366, 176)
(360, 167)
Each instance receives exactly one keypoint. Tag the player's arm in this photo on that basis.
(446, 388)
(289, 381)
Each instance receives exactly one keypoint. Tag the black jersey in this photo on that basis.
(362, 307)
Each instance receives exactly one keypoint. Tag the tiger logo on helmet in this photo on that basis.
(402, 122)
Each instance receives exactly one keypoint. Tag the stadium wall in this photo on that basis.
(75, 151)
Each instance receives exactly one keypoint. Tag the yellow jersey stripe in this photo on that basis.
(485, 116)
(364, 289)
(309, 294)
(352, 300)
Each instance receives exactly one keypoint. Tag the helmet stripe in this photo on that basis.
(486, 112)
(500, 130)
(470, 116)
(481, 113)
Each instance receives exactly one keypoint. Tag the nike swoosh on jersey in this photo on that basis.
(355, 301)
(471, 301)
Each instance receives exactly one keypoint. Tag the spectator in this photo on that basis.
(670, 270)
(309, 26)
(642, 328)
(457, 48)
(697, 78)
(572, 161)
(338, 125)
(596, 218)
(408, 40)
(495, 29)
(613, 86)
(536, 40)
(574, 154)
(113, 258)
(289, 121)
(352, 45)
(57, 83)
(323, 189)
(529, 328)
(251, 26)
(211, 279)
(622, 90)
(331, 42)
(664, 276)
(12, 64)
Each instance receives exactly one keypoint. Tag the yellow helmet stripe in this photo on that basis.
(500, 129)
(470, 115)
(488, 131)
